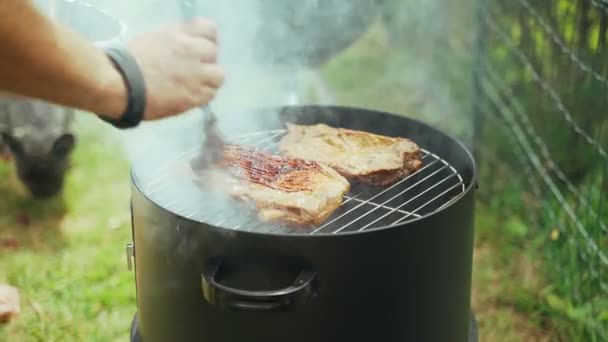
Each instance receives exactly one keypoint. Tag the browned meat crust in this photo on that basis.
(286, 190)
(359, 156)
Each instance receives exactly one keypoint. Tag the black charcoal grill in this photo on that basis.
(391, 264)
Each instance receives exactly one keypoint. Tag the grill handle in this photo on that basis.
(299, 292)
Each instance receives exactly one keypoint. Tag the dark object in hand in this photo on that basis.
(213, 143)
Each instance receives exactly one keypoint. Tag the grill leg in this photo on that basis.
(135, 337)
(473, 332)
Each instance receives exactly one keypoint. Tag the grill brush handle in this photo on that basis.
(215, 293)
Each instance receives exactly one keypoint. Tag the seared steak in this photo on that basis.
(359, 156)
(286, 190)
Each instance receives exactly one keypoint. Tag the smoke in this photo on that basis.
(264, 48)
(410, 57)
(269, 47)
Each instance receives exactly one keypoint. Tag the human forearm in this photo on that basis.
(42, 59)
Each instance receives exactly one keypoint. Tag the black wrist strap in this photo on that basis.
(136, 88)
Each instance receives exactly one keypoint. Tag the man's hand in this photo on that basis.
(179, 64)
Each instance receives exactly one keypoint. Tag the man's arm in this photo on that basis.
(43, 59)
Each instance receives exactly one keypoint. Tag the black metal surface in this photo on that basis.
(407, 282)
(473, 330)
(298, 292)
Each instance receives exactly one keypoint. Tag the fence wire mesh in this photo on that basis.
(541, 120)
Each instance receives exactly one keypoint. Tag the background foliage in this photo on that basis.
(542, 80)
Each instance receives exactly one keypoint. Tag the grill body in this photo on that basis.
(406, 282)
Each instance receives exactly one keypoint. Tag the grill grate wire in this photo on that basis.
(432, 187)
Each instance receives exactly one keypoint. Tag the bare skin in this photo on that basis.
(10, 303)
(45, 60)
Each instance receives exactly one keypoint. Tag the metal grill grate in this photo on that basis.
(431, 188)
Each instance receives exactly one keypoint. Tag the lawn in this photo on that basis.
(66, 256)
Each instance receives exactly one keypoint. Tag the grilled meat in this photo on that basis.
(286, 190)
(359, 156)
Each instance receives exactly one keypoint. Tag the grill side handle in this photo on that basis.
(299, 292)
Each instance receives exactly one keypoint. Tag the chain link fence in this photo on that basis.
(541, 80)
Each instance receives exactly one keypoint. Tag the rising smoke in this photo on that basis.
(266, 43)
(264, 46)
(421, 57)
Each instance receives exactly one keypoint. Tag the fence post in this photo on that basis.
(478, 62)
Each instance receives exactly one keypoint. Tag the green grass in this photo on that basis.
(508, 283)
(69, 265)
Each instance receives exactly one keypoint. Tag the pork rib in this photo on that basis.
(359, 156)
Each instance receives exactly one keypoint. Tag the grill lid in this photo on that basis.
(431, 188)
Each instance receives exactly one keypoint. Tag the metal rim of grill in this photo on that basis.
(434, 186)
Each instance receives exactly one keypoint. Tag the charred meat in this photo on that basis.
(285, 190)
